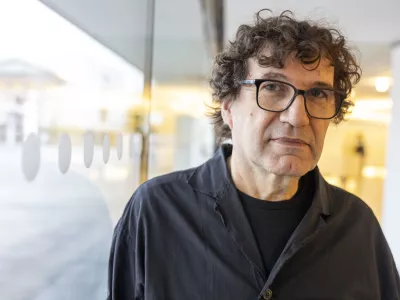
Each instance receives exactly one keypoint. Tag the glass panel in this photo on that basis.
(69, 154)
(181, 134)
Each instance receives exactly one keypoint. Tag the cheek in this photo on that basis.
(252, 122)
(266, 122)
(259, 121)
(243, 118)
(320, 128)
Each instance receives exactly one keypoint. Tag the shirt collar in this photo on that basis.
(213, 178)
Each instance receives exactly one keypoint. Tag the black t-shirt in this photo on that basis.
(274, 222)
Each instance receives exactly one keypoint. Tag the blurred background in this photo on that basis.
(96, 96)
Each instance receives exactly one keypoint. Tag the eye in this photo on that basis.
(272, 87)
(317, 93)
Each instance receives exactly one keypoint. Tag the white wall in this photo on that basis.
(391, 203)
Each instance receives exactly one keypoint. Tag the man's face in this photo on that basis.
(286, 143)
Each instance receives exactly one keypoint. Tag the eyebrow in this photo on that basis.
(323, 84)
(280, 76)
(274, 75)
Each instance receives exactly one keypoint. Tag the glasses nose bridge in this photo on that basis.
(300, 92)
(296, 93)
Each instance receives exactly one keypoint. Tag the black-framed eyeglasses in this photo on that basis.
(278, 96)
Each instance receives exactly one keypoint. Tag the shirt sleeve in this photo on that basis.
(124, 275)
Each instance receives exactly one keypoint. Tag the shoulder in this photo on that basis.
(160, 190)
(354, 218)
(348, 205)
(160, 199)
(175, 182)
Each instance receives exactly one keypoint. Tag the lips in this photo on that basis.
(289, 141)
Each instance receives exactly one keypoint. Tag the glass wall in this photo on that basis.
(73, 118)
(181, 134)
(69, 153)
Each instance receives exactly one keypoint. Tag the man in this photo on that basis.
(257, 221)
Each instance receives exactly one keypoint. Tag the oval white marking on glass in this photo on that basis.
(119, 146)
(31, 157)
(88, 149)
(64, 153)
(106, 148)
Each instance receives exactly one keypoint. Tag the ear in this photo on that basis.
(226, 112)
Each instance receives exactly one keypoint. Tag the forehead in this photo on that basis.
(294, 70)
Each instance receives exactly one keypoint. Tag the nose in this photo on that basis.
(296, 115)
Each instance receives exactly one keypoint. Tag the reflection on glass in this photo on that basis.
(181, 134)
(119, 146)
(64, 153)
(62, 95)
(106, 148)
(88, 149)
(30, 156)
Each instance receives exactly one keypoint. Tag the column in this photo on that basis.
(391, 198)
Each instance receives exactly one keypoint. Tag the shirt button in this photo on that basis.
(267, 295)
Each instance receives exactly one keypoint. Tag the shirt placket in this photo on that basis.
(303, 235)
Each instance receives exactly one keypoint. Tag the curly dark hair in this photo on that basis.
(283, 35)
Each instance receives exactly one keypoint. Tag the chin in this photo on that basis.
(290, 167)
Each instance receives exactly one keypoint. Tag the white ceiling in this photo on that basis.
(362, 21)
(180, 53)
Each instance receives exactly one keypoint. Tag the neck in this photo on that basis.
(259, 183)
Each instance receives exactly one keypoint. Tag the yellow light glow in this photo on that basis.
(351, 185)
(374, 172)
(156, 118)
(382, 84)
(188, 100)
(375, 110)
(333, 180)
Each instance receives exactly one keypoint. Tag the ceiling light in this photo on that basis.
(382, 84)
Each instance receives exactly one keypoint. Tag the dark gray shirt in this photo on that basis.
(185, 235)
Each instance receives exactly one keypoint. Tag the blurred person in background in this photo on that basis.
(258, 221)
